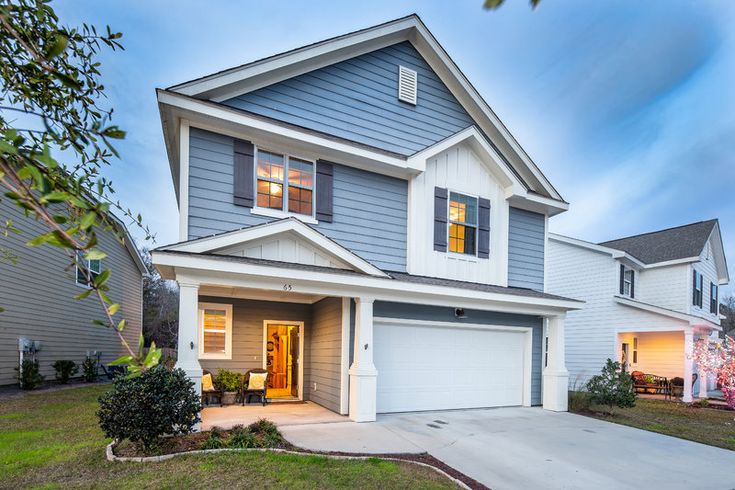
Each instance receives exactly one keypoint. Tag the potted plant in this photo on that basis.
(229, 382)
(677, 387)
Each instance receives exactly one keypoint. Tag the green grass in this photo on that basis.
(51, 440)
(708, 426)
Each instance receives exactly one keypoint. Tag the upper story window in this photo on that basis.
(697, 289)
(462, 224)
(93, 266)
(627, 281)
(713, 298)
(215, 331)
(285, 183)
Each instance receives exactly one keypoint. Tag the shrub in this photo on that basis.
(29, 375)
(242, 437)
(214, 441)
(579, 401)
(677, 381)
(612, 387)
(143, 408)
(65, 370)
(89, 369)
(264, 427)
(228, 380)
(704, 403)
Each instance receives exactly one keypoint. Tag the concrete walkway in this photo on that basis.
(281, 414)
(522, 448)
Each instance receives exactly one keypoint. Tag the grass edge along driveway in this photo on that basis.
(52, 440)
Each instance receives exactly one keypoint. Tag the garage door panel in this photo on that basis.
(434, 368)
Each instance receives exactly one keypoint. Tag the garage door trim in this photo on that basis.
(527, 344)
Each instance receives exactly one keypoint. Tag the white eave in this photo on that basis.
(693, 320)
(247, 78)
(612, 252)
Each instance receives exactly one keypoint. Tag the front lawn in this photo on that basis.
(708, 426)
(51, 440)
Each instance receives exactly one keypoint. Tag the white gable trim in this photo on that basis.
(715, 238)
(692, 319)
(612, 252)
(246, 78)
(230, 239)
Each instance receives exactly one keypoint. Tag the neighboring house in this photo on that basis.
(648, 298)
(355, 218)
(37, 293)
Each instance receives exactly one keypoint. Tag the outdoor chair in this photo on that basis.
(209, 391)
(650, 384)
(257, 388)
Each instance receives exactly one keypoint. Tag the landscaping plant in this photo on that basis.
(719, 359)
(29, 375)
(65, 370)
(612, 387)
(89, 369)
(230, 382)
(142, 409)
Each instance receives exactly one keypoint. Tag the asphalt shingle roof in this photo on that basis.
(670, 244)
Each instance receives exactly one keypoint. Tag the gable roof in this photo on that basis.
(226, 240)
(680, 242)
(252, 76)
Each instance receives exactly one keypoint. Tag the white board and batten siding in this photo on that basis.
(458, 169)
(38, 296)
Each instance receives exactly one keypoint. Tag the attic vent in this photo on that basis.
(407, 85)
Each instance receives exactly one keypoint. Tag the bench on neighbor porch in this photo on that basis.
(650, 384)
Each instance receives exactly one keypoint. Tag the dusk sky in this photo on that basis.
(626, 106)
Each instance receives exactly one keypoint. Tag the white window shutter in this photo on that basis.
(407, 85)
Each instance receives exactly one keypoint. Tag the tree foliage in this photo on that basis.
(612, 387)
(160, 307)
(718, 358)
(493, 4)
(52, 101)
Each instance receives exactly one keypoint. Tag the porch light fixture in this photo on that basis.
(459, 313)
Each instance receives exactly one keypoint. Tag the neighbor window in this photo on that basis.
(698, 287)
(215, 331)
(635, 350)
(628, 282)
(93, 266)
(713, 298)
(462, 223)
(284, 183)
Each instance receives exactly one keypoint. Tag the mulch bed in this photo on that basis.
(195, 441)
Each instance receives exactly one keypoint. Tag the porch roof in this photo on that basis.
(270, 274)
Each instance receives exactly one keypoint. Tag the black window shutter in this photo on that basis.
(632, 283)
(622, 279)
(244, 187)
(440, 219)
(694, 288)
(483, 235)
(324, 191)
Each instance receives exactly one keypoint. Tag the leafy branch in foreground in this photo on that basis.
(51, 84)
(493, 4)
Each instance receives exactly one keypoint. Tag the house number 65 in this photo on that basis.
(287, 287)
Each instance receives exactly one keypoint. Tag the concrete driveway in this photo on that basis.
(530, 448)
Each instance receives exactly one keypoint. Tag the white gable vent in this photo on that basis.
(407, 85)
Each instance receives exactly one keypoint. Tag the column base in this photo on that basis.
(363, 394)
(556, 390)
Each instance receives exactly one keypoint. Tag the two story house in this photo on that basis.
(355, 219)
(648, 298)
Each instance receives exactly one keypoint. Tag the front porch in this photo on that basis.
(666, 354)
(281, 414)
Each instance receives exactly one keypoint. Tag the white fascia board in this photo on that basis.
(214, 271)
(225, 240)
(612, 252)
(692, 319)
(723, 275)
(686, 260)
(225, 120)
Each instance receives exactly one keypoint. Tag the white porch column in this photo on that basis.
(363, 375)
(188, 351)
(688, 365)
(556, 376)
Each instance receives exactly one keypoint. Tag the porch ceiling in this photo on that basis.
(258, 294)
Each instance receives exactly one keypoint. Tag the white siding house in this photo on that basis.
(640, 306)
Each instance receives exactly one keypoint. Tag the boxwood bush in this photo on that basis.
(144, 408)
(65, 369)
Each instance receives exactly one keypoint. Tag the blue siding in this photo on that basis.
(357, 100)
(370, 210)
(526, 249)
(444, 314)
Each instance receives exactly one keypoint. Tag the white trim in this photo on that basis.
(291, 224)
(184, 181)
(302, 338)
(613, 252)
(215, 270)
(228, 330)
(692, 319)
(274, 213)
(344, 385)
(243, 79)
(527, 348)
(667, 263)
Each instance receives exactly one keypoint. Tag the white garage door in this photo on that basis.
(423, 367)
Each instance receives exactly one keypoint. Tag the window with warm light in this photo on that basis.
(285, 183)
(215, 327)
(462, 224)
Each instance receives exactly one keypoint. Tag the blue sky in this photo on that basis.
(626, 106)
